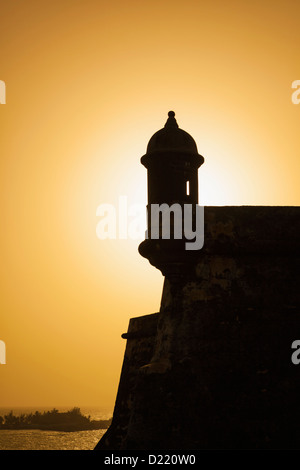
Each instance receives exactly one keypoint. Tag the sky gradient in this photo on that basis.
(87, 84)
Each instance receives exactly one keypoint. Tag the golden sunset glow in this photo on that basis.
(88, 82)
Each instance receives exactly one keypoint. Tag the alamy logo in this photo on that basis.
(164, 221)
(2, 92)
(182, 225)
(2, 352)
(296, 354)
(295, 95)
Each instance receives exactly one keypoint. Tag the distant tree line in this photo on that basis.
(54, 419)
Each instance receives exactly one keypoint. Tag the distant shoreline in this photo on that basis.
(69, 428)
(69, 421)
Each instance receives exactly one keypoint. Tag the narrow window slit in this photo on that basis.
(187, 188)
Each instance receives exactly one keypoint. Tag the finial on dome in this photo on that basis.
(171, 122)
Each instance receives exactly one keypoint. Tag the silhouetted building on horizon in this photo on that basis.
(212, 369)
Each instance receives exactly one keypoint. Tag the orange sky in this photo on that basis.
(88, 83)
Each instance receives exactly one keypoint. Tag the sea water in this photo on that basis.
(34, 439)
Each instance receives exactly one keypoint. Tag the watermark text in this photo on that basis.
(2, 352)
(296, 354)
(2, 92)
(177, 221)
(296, 94)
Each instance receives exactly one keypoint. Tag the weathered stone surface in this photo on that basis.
(139, 350)
(213, 368)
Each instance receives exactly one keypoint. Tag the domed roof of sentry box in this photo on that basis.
(172, 139)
